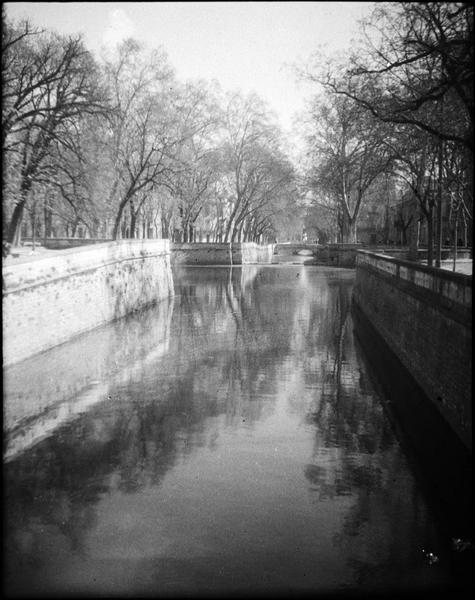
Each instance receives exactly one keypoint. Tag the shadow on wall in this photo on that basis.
(442, 461)
(140, 278)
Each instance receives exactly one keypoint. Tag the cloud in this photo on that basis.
(120, 27)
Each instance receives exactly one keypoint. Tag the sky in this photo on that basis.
(243, 45)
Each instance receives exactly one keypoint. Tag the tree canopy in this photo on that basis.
(398, 105)
(116, 146)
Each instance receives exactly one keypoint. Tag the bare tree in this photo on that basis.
(50, 82)
(139, 86)
(416, 56)
(199, 157)
(414, 71)
(348, 153)
(257, 166)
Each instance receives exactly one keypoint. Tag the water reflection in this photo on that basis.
(242, 448)
(50, 388)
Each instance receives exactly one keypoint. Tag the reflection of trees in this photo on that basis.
(133, 441)
(335, 410)
(259, 318)
(57, 483)
(344, 413)
(347, 417)
(339, 323)
(234, 338)
(237, 326)
(357, 456)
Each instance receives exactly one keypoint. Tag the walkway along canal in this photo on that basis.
(234, 438)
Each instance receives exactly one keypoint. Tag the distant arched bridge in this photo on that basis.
(338, 255)
(301, 249)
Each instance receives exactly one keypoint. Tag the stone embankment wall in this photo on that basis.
(338, 255)
(291, 248)
(201, 253)
(48, 300)
(425, 317)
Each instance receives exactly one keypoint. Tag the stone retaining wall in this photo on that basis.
(220, 253)
(48, 300)
(338, 255)
(424, 315)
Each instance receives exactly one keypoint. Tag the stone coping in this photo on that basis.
(56, 264)
(442, 273)
(204, 245)
(457, 287)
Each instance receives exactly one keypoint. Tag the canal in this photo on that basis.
(233, 440)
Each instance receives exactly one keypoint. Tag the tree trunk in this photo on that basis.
(184, 231)
(33, 229)
(122, 230)
(454, 266)
(118, 218)
(430, 239)
(438, 235)
(133, 223)
(234, 234)
(47, 222)
(4, 223)
(231, 223)
(468, 190)
(247, 231)
(346, 229)
(240, 232)
(413, 230)
(164, 226)
(15, 222)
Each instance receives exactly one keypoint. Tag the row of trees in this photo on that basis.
(399, 107)
(117, 146)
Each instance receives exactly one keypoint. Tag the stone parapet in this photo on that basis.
(64, 243)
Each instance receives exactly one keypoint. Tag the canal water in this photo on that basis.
(232, 440)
